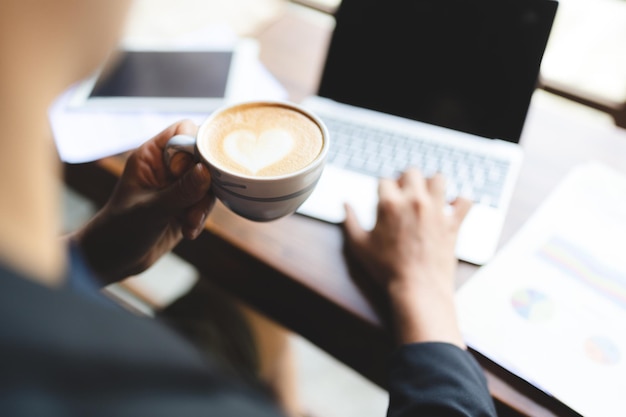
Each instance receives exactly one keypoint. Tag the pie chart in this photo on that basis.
(532, 305)
(602, 350)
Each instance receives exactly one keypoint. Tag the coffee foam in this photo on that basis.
(262, 140)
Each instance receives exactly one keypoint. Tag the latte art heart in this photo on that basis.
(261, 140)
(257, 152)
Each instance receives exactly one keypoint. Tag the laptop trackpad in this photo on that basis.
(337, 186)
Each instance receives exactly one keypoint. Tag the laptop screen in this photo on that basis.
(466, 65)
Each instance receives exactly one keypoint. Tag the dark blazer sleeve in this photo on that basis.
(437, 379)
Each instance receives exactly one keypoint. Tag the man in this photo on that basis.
(67, 351)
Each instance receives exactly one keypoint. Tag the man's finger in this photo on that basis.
(195, 217)
(354, 232)
(183, 127)
(187, 190)
(387, 189)
(436, 185)
(152, 150)
(389, 194)
(412, 182)
(180, 163)
(461, 206)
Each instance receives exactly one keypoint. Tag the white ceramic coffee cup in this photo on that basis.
(255, 197)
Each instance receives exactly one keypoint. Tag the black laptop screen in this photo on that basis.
(469, 65)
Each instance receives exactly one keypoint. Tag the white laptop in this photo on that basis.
(442, 85)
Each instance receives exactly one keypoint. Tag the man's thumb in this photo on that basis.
(353, 230)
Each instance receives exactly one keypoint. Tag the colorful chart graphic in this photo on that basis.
(579, 265)
(602, 350)
(532, 305)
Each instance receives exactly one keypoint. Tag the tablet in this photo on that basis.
(165, 80)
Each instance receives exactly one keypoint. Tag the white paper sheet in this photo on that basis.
(551, 307)
(84, 136)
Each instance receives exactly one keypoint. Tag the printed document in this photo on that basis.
(551, 306)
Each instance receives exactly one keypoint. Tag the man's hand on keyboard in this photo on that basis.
(410, 254)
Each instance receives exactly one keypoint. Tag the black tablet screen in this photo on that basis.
(192, 74)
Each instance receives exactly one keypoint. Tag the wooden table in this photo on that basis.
(293, 269)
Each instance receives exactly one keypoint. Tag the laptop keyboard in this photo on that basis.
(380, 153)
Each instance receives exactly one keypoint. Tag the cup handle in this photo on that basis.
(178, 143)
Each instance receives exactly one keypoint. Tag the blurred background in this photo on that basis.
(585, 61)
